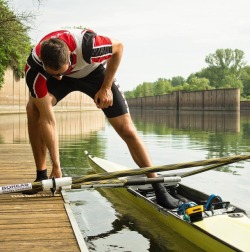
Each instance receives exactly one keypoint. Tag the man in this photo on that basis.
(73, 60)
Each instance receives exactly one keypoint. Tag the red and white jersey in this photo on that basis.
(88, 51)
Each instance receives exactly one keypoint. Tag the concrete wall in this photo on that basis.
(210, 100)
(14, 95)
(245, 105)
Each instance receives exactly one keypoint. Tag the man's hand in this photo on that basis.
(56, 173)
(104, 98)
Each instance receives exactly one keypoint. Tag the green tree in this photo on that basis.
(222, 64)
(226, 69)
(199, 84)
(138, 91)
(231, 81)
(245, 78)
(14, 41)
(129, 94)
(185, 87)
(147, 89)
(177, 81)
(161, 86)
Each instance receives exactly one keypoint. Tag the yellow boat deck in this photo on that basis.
(37, 222)
(224, 232)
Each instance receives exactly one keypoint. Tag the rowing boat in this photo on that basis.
(206, 221)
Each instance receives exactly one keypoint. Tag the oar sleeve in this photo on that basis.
(56, 183)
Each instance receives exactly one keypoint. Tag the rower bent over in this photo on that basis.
(65, 61)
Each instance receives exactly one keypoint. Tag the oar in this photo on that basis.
(114, 183)
(131, 172)
(59, 182)
(67, 184)
(210, 167)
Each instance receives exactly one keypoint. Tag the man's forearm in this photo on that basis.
(113, 64)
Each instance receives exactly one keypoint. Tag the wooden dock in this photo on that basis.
(37, 222)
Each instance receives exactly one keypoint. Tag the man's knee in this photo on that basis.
(128, 131)
(31, 110)
(124, 126)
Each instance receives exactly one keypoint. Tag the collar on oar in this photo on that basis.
(56, 183)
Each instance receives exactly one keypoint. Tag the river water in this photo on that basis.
(105, 220)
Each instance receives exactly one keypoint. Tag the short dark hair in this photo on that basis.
(54, 53)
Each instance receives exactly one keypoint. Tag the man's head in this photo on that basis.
(55, 56)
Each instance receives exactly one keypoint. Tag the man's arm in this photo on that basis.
(49, 131)
(104, 97)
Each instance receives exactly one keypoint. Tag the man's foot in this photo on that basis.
(163, 198)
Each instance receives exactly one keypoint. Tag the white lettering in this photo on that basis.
(15, 188)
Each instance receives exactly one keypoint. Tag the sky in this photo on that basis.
(161, 38)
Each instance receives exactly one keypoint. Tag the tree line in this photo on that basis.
(226, 69)
(15, 43)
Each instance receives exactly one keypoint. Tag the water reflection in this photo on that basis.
(187, 120)
(218, 133)
(104, 230)
(71, 126)
(120, 226)
(13, 129)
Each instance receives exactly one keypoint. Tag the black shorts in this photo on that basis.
(89, 85)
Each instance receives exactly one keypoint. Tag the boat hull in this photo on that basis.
(223, 232)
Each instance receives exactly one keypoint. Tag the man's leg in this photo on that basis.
(122, 123)
(125, 128)
(37, 143)
(35, 135)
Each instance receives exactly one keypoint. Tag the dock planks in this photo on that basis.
(30, 222)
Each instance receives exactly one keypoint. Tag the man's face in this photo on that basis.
(58, 74)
